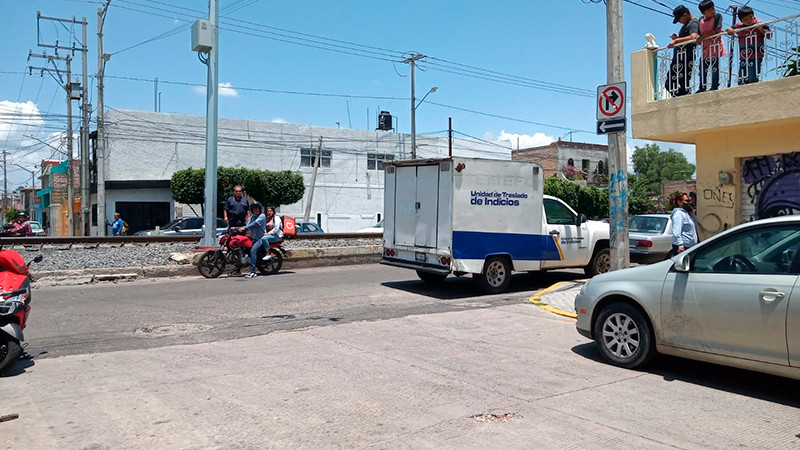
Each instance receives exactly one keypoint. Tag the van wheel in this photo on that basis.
(496, 275)
(600, 263)
(429, 277)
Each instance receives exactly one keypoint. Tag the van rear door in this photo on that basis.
(416, 206)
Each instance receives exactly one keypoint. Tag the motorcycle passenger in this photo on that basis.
(21, 226)
(257, 225)
(274, 231)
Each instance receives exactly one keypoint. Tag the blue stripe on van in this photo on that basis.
(478, 244)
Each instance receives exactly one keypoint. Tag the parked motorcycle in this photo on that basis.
(15, 284)
(234, 250)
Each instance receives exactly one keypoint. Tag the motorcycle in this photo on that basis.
(234, 250)
(15, 284)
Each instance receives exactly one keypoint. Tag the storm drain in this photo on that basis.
(171, 329)
(507, 417)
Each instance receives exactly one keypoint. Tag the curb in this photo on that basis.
(296, 259)
(536, 299)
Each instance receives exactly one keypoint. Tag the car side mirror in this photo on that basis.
(682, 262)
(581, 219)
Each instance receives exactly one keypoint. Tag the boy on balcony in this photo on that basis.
(710, 25)
(751, 44)
(680, 70)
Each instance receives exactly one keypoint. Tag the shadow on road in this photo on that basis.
(762, 386)
(454, 288)
(24, 362)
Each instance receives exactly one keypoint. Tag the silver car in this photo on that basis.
(728, 300)
(650, 238)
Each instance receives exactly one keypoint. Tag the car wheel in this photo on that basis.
(9, 352)
(211, 264)
(429, 277)
(624, 336)
(600, 262)
(496, 275)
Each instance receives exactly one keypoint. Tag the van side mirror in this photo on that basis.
(581, 219)
(682, 262)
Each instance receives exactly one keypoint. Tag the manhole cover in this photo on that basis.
(171, 329)
(495, 417)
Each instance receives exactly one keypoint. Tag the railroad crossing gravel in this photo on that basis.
(100, 256)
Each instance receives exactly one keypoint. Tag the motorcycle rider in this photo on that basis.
(21, 226)
(274, 231)
(257, 224)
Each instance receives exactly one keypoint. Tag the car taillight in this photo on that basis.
(644, 243)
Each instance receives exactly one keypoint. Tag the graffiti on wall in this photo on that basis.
(773, 184)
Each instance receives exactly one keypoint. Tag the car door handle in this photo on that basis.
(770, 296)
(555, 232)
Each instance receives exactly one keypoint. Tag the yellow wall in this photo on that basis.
(719, 206)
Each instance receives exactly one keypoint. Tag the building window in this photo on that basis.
(375, 160)
(585, 165)
(308, 157)
(570, 162)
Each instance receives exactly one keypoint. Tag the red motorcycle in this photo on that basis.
(15, 284)
(234, 250)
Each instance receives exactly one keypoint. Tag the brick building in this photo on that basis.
(590, 160)
(54, 196)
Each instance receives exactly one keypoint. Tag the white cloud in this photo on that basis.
(279, 120)
(16, 121)
(225, 90)
(515, 140)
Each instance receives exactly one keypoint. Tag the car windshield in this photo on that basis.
(171, 224)
(648, 224)
(35, 226)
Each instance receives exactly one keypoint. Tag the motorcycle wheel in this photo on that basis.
(9, 352)
(211, 264)
(273, 265)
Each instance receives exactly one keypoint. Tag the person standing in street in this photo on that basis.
(237, 208)
(684, 232)
(117, 225)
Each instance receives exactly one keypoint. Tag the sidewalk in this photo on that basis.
(559, 298)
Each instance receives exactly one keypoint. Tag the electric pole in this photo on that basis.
(412, 60)
(313, 181)
(70, 187)
(85, 109)
(5, 184)
(212, 88)
(100, 147)
(617, 150)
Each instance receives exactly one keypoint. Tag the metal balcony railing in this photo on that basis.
(764, 51)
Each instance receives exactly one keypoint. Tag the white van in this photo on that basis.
(484, 217)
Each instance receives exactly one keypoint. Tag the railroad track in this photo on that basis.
(44, 240)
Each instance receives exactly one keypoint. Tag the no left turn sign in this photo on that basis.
(611, 101)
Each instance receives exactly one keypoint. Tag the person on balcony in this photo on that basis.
(751, 44)
(683, 43)
(713, 49)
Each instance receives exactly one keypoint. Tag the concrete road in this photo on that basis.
(436, 368)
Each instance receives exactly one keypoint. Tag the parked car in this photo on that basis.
(376, 229)
(183, 226)
(650, 238)
(728, 300)
(37, 229)
(307, 228)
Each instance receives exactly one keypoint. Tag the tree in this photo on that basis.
(11, 214)
(271, 188)
(588, 200)
(652, 166)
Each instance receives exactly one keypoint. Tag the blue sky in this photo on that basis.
(558, 44)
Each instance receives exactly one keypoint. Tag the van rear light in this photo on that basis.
(644, 243)
(389, 252)
(445, 260)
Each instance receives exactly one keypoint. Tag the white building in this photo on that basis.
(144, 149)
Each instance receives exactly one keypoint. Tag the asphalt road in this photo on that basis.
(152, 313)
(358, 357)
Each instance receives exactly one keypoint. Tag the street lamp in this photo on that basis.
(414, 116)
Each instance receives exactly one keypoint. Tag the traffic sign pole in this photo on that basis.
(617, 151)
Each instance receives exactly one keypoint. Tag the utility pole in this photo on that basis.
(313, 181)
(100, 148)
(86, 219)
(617, 150)
(412, 60)
(210, 219)
(5, 183)
(70, 193)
